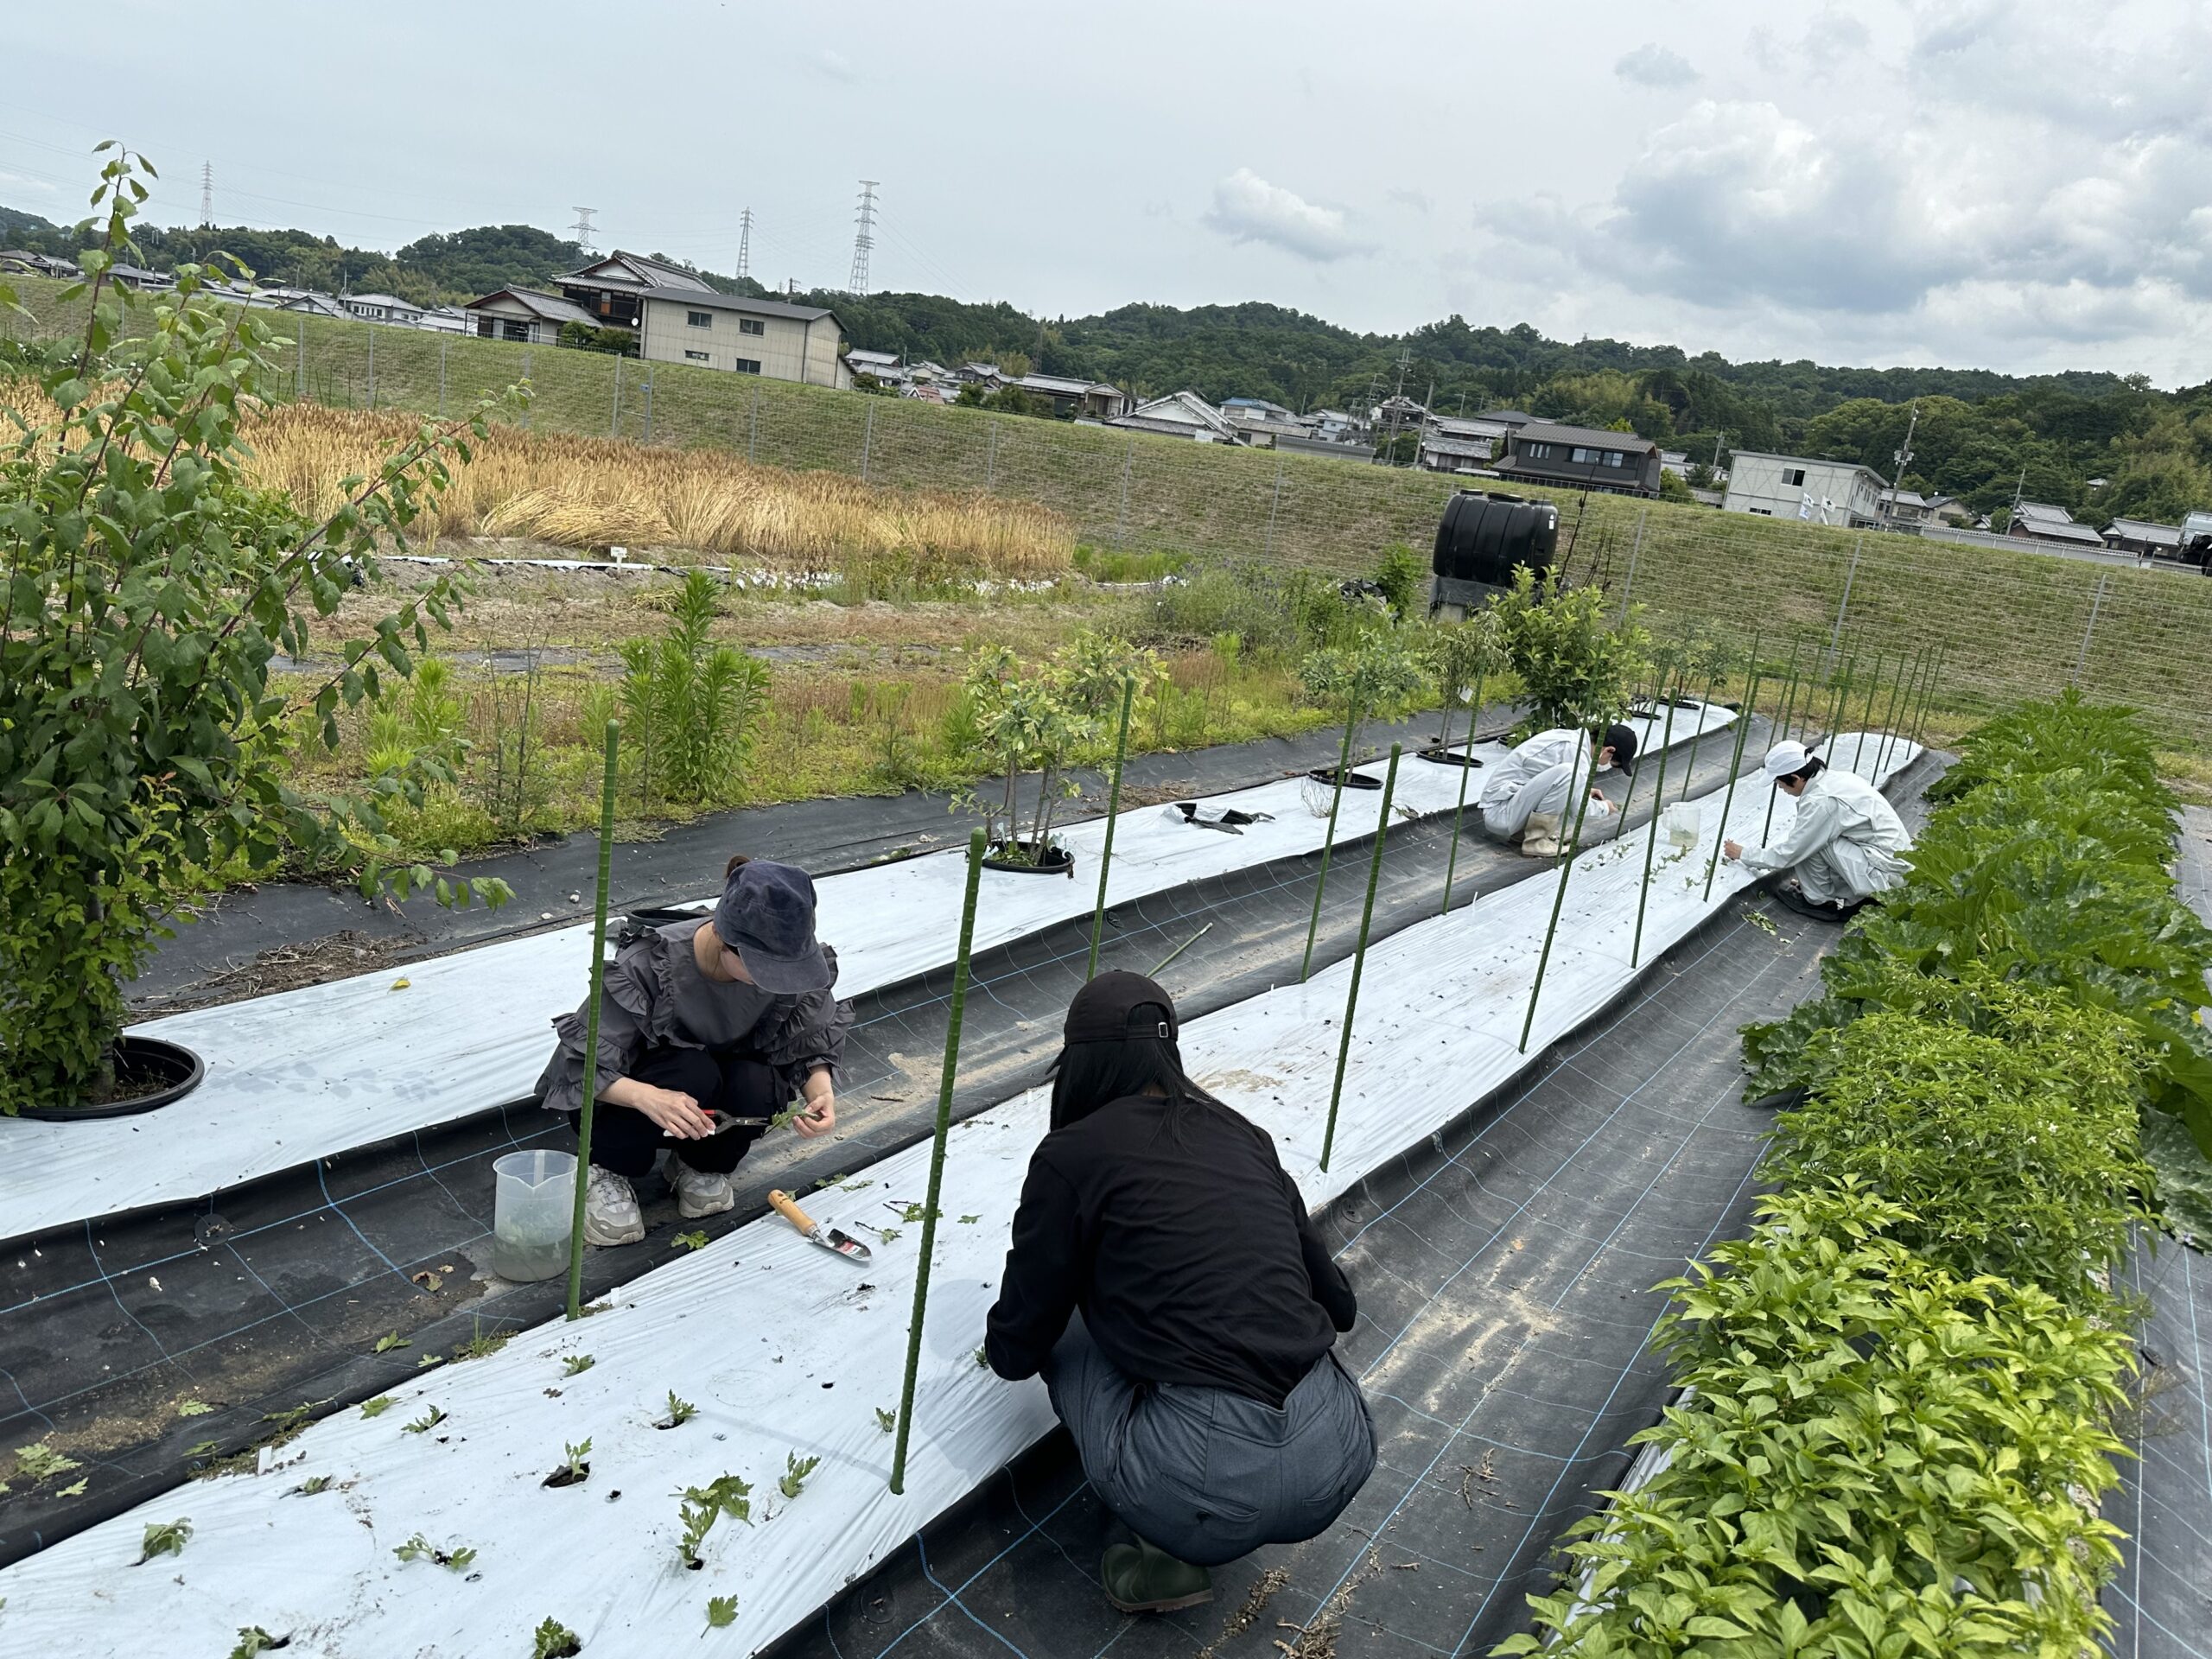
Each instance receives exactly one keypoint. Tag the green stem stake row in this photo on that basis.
(1559, 899)
(1789, 705)
(1459, 812)
(1113, 807)
(1628, 797)
(1866, 720)
(1889, 715)
(1329, 838)
(591, 1023)
(1735, 766)
(1651, 835)
(936, 1160)
(1359, 953)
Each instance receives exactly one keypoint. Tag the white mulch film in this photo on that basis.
(472, 1031)
(786, 1349)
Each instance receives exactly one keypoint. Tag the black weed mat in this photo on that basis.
(1503, 1270)
(273, 1296)
(2161, 1600)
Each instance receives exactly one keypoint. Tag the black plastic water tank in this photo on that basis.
(1483, 537)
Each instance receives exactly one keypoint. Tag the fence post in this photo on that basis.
(2097, 599)
(1835, 641)
(1274, 500)
(937, 1159)
(1121, 520)
(867, 439)
(648, 436)
(525, 375)
(991, 459)
(615, 416)
(753, 441)
(372, 367)
(1634, 546)
(300, 370)
(1359, 953)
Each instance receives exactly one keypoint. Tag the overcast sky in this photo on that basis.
(2015, 184)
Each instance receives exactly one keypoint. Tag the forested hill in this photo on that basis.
(1980, 434)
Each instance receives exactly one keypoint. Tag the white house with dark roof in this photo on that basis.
(524, 315)
(1178, 414)
(2039, 521)
(1083, 399)
(383, 307)
(612, 290)
(746, 336)
(2143, 539)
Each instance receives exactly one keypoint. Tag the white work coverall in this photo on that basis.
(1845, 844)
(1542, 779)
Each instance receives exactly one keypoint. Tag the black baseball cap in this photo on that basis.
(1621, 740)
(766, 915)
(1117, 1005)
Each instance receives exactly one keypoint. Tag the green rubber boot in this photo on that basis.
(1142, 1578)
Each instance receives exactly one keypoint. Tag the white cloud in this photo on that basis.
(18, 182)
(1654, 64)
(1247, 208)
(1419, 200)
(835, 66)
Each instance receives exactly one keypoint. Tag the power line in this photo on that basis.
(863, 239)
(582, 227)
(745, 245)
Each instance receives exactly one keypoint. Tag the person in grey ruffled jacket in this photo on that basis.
(732, 1016)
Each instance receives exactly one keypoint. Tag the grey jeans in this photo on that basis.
(1205, 1474)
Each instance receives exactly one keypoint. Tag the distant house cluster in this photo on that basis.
(1067, 396)
(386, 308)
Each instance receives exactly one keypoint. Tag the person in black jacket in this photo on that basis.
(1165, 1278)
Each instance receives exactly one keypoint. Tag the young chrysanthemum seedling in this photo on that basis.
(576, 1364)
(792, 1481)
(253, 1640)
(886, 1421)
(192, 1408)
(39, 1460)
(574, 1471)
(680, 1412)
(378, 1406)
(721, 1612)
(703, 1505)
(419, 1548)
(164, 1538)
(314, 1486)
(555, 1641)
(391, 1340)
(428, 1420)
(692, 1241)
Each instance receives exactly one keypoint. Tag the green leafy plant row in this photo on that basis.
(1902, 1386)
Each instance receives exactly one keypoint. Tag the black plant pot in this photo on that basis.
(1353, 779)
(1452, 757)
(1012, 857)
(158, 1071)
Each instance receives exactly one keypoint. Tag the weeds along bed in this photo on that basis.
(1902, 1386)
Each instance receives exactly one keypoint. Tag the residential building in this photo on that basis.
(312, 304)
(1332, 426)
(1079, 400)
(1795, 486)
(18, 262)
(2144, 539)
(2038, 521)
(881, 365)
(1257, 431)
(138, 277)
(1453, 444)
(1581, 457)
(1255, 409)
(1676, 461)
(1513, 417)
(383, 307)
(727, 331)
(612, 290)
(1178, 414)
(1906, 508)
(526, 315)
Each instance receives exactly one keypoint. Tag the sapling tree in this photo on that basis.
(691, 705)
(1377, 670)
(144, 743)
(1029, 716)
(1574, 666)
(1462, 655)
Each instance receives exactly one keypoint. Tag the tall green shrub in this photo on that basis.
(692, 706)
(1574, 665)
(142, 740)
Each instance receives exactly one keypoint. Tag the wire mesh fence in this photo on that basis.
(2012, 623)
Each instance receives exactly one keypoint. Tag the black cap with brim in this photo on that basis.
(766, 915)
(1621, 740)
(1117, 1005)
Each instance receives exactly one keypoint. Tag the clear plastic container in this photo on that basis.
(1681, 823)
(532, 1207)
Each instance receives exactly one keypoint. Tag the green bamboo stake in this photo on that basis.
(1842, 696)
(1627, 799)
(1154, 973)
(1329, 839)
(1113, 807)
(937, 1159)
(1689, 766)
(1866, 720)
(1927, 694)
(1788, 704)
(1359, 954)
(1735, 766)
(591, 1024)
(1452, 863)
(1651, 836)
(1889, 715)
(1559, 899)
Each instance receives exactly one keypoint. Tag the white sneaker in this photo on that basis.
(611, 1214)
(699, 1192)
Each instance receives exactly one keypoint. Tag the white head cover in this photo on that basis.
(1783, 760)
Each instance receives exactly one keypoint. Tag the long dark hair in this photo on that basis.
(1089, 1075)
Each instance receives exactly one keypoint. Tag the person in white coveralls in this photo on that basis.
(1846, 844)
(1531, 795)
